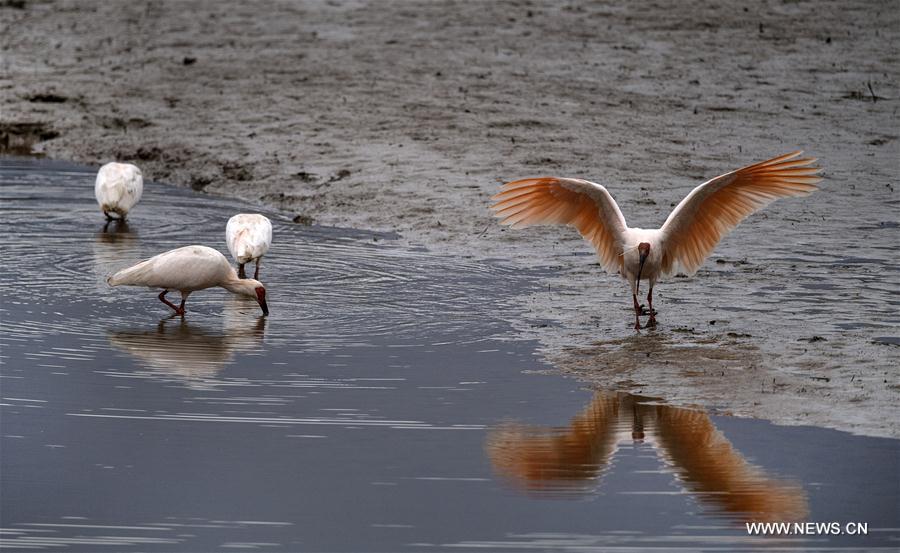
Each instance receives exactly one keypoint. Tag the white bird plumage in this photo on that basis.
(684, 241)
(187, 270)
(118, 188)
(248, 236)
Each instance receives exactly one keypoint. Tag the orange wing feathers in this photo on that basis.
(715, 207)
(709, 466)
(578, 203)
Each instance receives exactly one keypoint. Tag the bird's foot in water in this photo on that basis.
(637, 325)
(652, 321)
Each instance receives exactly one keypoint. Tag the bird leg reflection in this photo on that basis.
(115, 230)
(637, 313)
(161, 326)
(637, 424)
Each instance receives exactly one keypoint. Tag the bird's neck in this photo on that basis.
(237, 285)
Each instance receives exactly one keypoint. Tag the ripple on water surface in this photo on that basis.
(326, 288)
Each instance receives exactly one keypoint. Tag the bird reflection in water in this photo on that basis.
(115, 244)
(116, 230)
(187, 352)
(563, 461)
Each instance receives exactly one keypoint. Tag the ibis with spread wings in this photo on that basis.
(687, 237)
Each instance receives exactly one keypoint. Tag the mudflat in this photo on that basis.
(406, 116)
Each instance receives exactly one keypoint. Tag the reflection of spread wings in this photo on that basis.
(564, 458)
(708, 465)
(188, 353)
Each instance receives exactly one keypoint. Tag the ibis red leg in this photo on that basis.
(178, 310)
(637, 313)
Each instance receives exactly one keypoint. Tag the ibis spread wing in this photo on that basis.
(582, 204)
(715, 207)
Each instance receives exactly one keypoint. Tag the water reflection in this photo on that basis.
(188, 352)
(115, 245)
(572, 460)
(115, 231)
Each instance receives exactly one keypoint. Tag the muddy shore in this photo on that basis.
(405, 117)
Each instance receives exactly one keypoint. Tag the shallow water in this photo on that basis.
(385, 405)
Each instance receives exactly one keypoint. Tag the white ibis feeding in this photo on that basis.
(187, 270)
(249, 236)
(118, 188)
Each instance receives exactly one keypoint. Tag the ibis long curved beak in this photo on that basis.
(637, 286)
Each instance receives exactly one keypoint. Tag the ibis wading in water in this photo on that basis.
(249, 236)
(687, 237)
(187, 270)
(118, 188)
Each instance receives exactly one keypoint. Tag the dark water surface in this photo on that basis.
(384, 405)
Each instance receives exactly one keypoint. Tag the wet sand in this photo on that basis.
(404, 117)
(386, 404)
